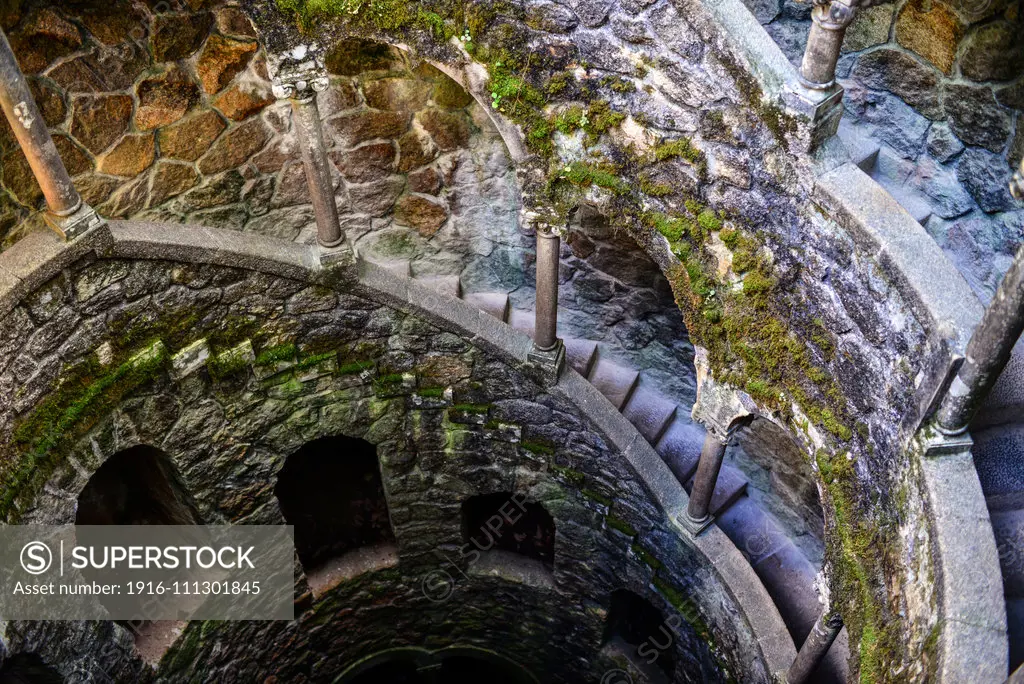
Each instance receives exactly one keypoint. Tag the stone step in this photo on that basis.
(445, 284)
(731, 485)
(1015, 629)
(523, 321)
(789, 579)
(615, 382)
(400, 267)
(649, 412)
(754, 532)
(997, 458)
(1008, 527)
(493, 303)
(580, 354)
(863, 149)
(915, 204)
(680, 448)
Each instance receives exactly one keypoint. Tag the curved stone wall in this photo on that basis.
(297, 351)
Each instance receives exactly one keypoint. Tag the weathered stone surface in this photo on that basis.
(931, 30)
(98, 121)
(377, 198)
(130, 157)
(292, 187)
(987, 177)
(102, 70)
(170, 179)
(764, 11)
(43, 37)
(415, 150)
(231, 21)
(242, 100)
(592, 13)
(397, 94)
(75, 159)
(427, 181)
(358, 127)
(178, 35)
(449, 94)
(904, 76)
(676, 33)
(18, 179)
(368, 162)
(631, 30)
(164, 99)
(1012, 96)
(284, 223)
(940, 184)
(127, 200)
(189, 138)
(994, 52)
(111, 23)
(425, 215)
(217, 191)
(870, 27)
(96, 189)
(355, 56)
(942, 144)
(449, 130)
(50, 103)
(235, 146)
(975, 116)
(895, 122)
(550, 17)
(221, 60)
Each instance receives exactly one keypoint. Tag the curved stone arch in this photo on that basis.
(761, 632)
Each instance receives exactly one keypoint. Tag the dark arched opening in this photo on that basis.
(331, 491)
(137, 486)
(455, 665)
(28, 668)
(507, 522)
(639, 630)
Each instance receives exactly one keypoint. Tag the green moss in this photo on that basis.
(281, 352)
(602, 118)
(648, 559)
(620, 525)
(574, 477)
(558, 83)
(585, 175)
(537, 447)
(654, 189)
(571, 119)
(730, 237)
(431, 392)
(709, 221)
(354, 367)
(594, 496)
(471, 408)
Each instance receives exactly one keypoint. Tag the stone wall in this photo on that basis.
(291, 361)
(940, 86)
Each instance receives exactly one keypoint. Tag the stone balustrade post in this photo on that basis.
(698, 511)
(300, 87)
(67, 213)
(548, 350)
(829, 21)
(814, 648)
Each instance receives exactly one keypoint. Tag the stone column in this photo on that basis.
(987, 353)
(711, 456)
(68, 214)
(829, 22)
(1017, 183)
(814, 648)
(301, 88)
(548, 350)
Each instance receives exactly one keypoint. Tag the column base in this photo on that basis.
(77, 223)
(340, 254)
(938, 444)
(695, 527)
(552, 360)
(822, 108)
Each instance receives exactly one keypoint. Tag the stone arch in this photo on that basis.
(507, 522)
(331, 491)
(28, 668)
(641, 632)
(136, 486)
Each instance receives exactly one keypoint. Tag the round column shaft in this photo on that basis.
(711, 456)
(309, 130)
(814, 649)
(546, 333)
(828, 27)
(33, 137)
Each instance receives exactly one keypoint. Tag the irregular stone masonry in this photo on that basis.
(241, 369)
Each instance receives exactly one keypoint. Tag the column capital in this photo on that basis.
(298, 74)
(834, 15)
(720, 408)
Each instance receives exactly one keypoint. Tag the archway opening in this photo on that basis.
(331, 491)
(637, 629)
(507, 522)
(453, 665)
(28, 668)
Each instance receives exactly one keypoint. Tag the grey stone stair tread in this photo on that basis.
(400, 267)
(1015, 628)
(753, 531)
(615, 382)
(445, 284)
(915, 204)
(523, 321)
(1008, 501)
(493, 303)
(649, 412)
(580, 354)
(680, 448)
(1006, 402)
(863, 149)
(731, 485)
(1008, 527)
(999, 459)
(789, 579)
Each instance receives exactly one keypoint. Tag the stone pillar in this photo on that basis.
(711, 456)
(301, 88)
(814, 648)
(67, 213)
(1017, 183)
(548, 350)
(828, 26)
(987, 352)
